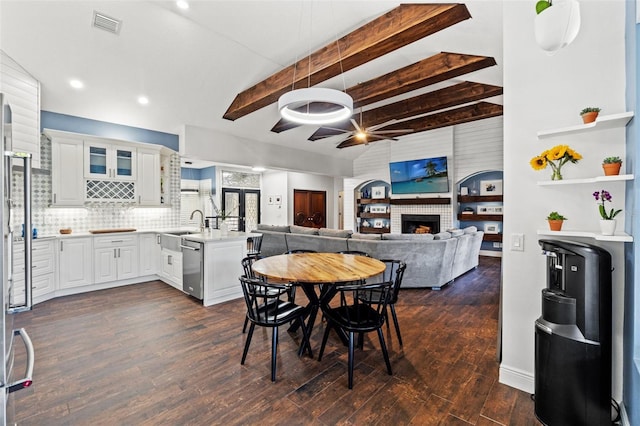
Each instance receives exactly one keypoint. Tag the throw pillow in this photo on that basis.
(470, 230)
(274, 228)
(359, 236)
(442, 236)
(295, 229)
(339, 233)
(413, 237)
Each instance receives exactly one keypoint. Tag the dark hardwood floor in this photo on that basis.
(147, 354)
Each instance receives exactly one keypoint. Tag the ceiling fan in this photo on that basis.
(361, 135)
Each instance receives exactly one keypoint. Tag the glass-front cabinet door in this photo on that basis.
(105, 161)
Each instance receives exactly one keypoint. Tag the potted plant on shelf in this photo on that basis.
(611, 166)
(589, 114)
(555, 220)
(608, 222)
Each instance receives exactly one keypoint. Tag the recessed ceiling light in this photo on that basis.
(258, 169)
(76, 84)
(143, 100)
(182, 4)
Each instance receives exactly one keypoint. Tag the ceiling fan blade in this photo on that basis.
(336, 129)
(351, 141)
(380, 132)
(356, 125)
(378, 126)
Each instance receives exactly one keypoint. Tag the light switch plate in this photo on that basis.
(517, 242)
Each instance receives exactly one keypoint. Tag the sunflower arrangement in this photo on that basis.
(555, 157)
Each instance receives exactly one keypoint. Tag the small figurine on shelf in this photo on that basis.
(366, 194)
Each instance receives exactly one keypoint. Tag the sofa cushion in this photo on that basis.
(274, 228)
(339, 233)
(418, 237)
(359, 236)
(295, 229)
(470, 230)
(442, 236)
(456, 232)
(317, 243)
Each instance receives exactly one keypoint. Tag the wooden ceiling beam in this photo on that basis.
(448, 97)
(466, 114)
(397, 28)
(435, 69)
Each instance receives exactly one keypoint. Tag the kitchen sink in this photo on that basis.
(171, 240)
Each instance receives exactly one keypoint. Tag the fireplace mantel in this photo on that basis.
(419, 201)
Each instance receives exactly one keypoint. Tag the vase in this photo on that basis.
(557, 174)
(555, 225)
(224, 228)
(611, 169)
(607, 227)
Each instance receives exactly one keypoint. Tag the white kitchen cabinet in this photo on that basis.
(109, 161)
(67, 180)
(42, 270)
(150, 254)
(148, 182)
(75, 265)
(115, 258)
(171, 271)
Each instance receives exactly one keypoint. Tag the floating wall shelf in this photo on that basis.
(603, 122)
(586, 180)
(620, 237)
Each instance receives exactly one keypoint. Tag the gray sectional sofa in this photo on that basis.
(432, 260)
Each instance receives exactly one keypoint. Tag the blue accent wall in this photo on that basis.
(209, 173)
(70, 123)
(631, 330)
(190, 174)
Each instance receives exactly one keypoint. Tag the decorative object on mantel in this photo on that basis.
(607, 223)
(555, 220)
(589, 114)
(611, 166)
(556, 24)
(556, 157)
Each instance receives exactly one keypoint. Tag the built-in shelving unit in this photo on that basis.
(603, 122)
(374, 214)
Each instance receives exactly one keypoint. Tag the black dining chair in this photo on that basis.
(357, 317)
(254, 245)
(300, 251)
(267, 307)
(394, 273)
(247, 265)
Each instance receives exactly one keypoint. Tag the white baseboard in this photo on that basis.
(517, 378)
(490, 253)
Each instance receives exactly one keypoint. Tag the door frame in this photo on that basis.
(241, 207)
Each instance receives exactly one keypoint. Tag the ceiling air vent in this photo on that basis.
(107, 23)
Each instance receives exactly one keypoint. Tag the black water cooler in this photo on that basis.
(573, 336)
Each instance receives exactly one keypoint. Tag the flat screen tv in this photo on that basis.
(428, 175)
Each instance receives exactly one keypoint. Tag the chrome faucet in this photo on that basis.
(201, 218)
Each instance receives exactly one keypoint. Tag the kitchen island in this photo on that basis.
(221, 265)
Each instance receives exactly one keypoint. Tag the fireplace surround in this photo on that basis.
(418, 223)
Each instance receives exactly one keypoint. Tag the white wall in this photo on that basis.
(274, 184)
(547, 92)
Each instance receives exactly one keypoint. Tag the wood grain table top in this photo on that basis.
(318, 267)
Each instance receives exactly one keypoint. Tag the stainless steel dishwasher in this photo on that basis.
(193, 268)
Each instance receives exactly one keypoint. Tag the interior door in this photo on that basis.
(243, 205)
(310, 208)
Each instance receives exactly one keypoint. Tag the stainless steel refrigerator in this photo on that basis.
(8, 382)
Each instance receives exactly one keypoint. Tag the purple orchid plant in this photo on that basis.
(601, 197)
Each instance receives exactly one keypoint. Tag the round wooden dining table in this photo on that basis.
(317, 274)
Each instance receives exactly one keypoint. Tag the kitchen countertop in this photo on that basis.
(209, 235)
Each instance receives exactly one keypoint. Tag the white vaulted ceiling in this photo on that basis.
(191, 64)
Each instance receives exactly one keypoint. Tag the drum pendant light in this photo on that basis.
(335, 105)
